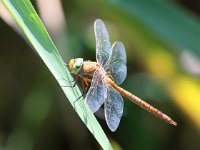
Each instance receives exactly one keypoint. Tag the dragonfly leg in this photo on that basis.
(83, 94)
(75, 81)
(84, 89)
(67, 81)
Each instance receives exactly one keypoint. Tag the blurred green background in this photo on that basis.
(162, 40)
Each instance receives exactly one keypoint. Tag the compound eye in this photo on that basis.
(78, 67)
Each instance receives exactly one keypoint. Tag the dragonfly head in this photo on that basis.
(75, 65)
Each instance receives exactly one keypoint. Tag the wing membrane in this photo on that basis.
(116, 64)
(114, 105)
(97, 92)
(103, 46)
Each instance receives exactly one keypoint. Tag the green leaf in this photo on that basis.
(27, 18)
(169, 21)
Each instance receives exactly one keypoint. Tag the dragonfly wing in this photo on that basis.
(103, 46)
(116, 64)
(114, 105)
(97, 92)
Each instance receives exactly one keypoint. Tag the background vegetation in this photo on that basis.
(162, 40)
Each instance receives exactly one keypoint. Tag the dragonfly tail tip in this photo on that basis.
(173, 123)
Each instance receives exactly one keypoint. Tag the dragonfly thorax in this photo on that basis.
(75, 65)
(89, 67)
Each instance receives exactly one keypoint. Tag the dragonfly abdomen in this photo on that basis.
(141, 103)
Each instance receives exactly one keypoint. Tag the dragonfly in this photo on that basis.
(105, 75)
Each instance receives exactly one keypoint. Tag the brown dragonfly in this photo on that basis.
(107, 73)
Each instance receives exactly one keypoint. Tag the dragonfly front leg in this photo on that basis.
(85, 87)
(75, 81)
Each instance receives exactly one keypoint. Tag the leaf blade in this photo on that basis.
(27, 18)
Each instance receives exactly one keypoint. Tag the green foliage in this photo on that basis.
(158, 36)
(27, 18)
(169, 21)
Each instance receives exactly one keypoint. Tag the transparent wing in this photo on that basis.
(116, 64)
(114, 105)
(103, 46)
(97, 92)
